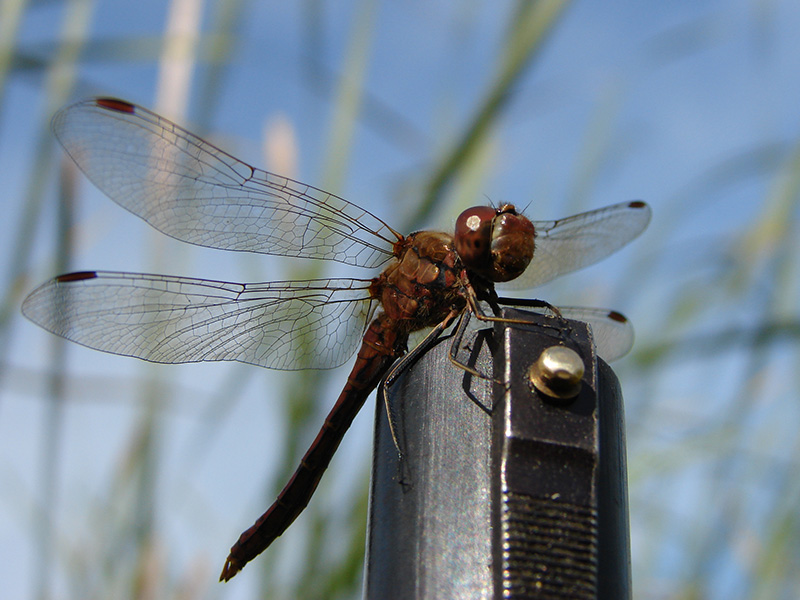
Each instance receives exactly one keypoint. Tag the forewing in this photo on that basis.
(570, 244)
(612, 332)
(191, 190)
(280, 325)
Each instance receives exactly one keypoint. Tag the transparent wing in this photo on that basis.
(570, 244)
(190, 190)
(612, 332)
(280, 325)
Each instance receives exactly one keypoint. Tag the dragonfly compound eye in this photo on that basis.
(473, 236)
(497, 243)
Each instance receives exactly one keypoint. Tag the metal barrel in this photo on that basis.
(503, 491)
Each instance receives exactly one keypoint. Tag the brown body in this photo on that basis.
(424, 284)
(418, 290)
(197, 193)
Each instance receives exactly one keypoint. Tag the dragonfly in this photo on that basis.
(193, 191)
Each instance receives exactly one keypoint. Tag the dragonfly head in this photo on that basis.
(495, 243)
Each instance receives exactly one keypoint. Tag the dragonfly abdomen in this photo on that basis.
(382, 344)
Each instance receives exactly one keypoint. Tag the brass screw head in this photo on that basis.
(557, 373)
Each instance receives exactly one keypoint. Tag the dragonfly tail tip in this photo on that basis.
(231, 568)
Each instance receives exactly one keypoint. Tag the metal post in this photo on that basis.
(444, 520)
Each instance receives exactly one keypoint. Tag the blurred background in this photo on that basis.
(121, 479)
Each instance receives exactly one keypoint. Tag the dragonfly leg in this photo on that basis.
(560, 324)
(533, 303)
(453, 356)
(401, 365)
(494, 301)
(457, 338)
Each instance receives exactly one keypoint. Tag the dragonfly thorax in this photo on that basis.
(423, 284)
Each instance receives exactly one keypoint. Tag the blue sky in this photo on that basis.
(691, 106)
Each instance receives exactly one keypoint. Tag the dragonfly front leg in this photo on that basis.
(494, 301)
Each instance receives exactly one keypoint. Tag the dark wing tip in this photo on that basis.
(115, 104)
(79, 276)
(638, 204)
(618, 317)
